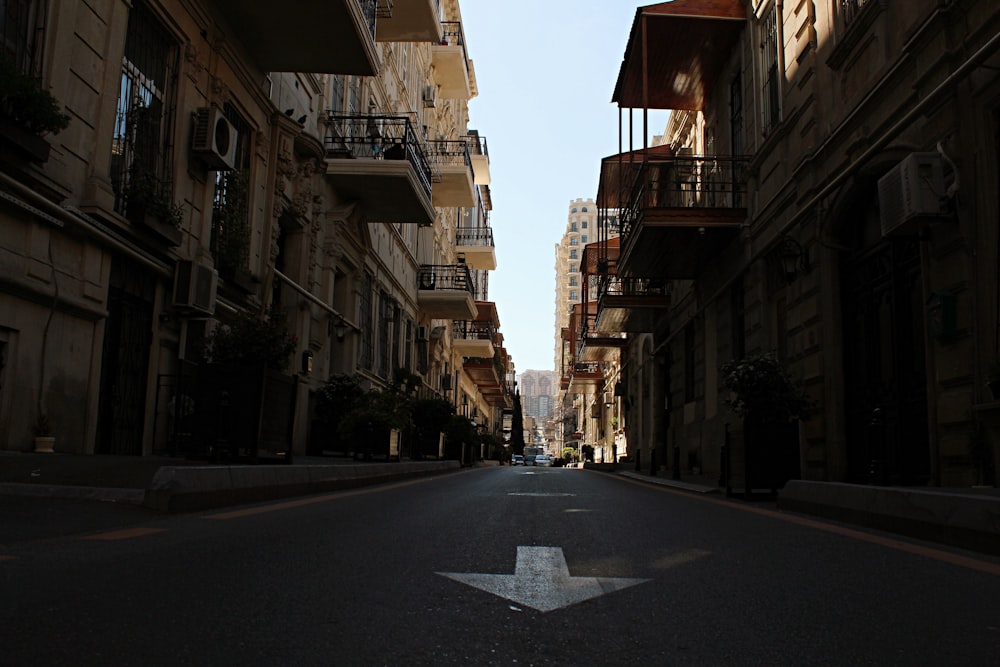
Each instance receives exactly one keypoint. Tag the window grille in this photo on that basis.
(140, 151)
(230, 241)
(736, 135)
(383, 326)
(20, 34)
(337, 93)
(771, 93)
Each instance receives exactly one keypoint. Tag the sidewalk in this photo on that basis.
(967, 518)
(178, 484)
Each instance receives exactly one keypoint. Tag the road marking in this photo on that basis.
(899, 545)
(541, 580)
(124, 534)
(541, 495)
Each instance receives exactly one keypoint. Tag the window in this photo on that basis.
(572, 226)
(574, 281)
(365, 318)
(573, 268)
(738, 316)
(337, 82)
(584, 223)
(736, 134)
(771, 93)
(19, 25)
(574, 241)
(574, 210)
(851, 8)
(140, 157)
(572, 254)
(583, 239)
(574, 295)
(584, 209)
(689, 387)
(230, 241)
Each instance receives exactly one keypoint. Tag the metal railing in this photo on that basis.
(473, 330)
(587, 368)
(370, 9)
(474, 236)
(453, 35)
(456, 277)
(383, 9)
(477, 144)
(377, 138)
(684, 182)
(450, 152)
(619, 286)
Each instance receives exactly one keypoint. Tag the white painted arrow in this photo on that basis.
(541, 581)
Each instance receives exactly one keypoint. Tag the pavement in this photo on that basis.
(179, 484)
(967, 518)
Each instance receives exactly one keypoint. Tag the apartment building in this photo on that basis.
(311, 168)
(826, 191)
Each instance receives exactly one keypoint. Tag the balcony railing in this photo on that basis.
(449, 152)
(474, 236)
(685, 183)
(851, 8)
(473, 330)
(477, 144)
(612, 286)
(453, 35)
(378, 138)
(383, 9)
(454, 277)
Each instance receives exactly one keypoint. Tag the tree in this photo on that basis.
(517, 427)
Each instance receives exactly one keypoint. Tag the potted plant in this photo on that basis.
(27, 112)
(45, 441)
(770, 406)
(148, 204)
(993, 380)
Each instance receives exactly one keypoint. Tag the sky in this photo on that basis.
(545, 72)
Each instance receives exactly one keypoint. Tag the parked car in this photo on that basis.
(543, 460)
(517, 460)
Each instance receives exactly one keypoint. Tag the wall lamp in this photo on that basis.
(793, 258)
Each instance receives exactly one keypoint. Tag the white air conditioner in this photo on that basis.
(911, 191)
(195, 286)
(430, 97)
(214, 139)
(422, 332)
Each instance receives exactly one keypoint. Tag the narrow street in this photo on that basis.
(530, 566)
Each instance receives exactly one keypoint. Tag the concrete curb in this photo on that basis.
(964, 520)
(131, 496)
(182, 488)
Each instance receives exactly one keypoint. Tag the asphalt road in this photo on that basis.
(423, 573)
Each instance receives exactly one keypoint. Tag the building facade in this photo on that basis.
(825, 193)
(223, 161)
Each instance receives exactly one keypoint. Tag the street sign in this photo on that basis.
(541, 580)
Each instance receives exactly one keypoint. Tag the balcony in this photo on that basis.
(597, 344)
(451, 63)
(452, 174)
(586, 376)
(676, 213)
(473, 338)
(480, 157)
(378, 162)
(476, 245)
(445, 291)
(683, 47)
(335, 36)
(411, 21)
(631, 304)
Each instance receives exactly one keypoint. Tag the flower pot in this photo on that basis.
(26, 145)
(45, 444)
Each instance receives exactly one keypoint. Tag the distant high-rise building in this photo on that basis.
(536, 392)
(581, 229)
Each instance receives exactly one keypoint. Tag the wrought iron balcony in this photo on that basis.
(586, 376)
(298, 38)
(473, 338)
(676, 212)
(631, 304)
(476, 245)
(452, 173)
(379, 162)
(597, 344)
(451, 63)
(480, 157)
(411, 21)
(446, 291)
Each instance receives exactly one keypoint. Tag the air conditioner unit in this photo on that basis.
(422, 333)
(195, 286)
(214, 139)
(430, 97)
(909, 192)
